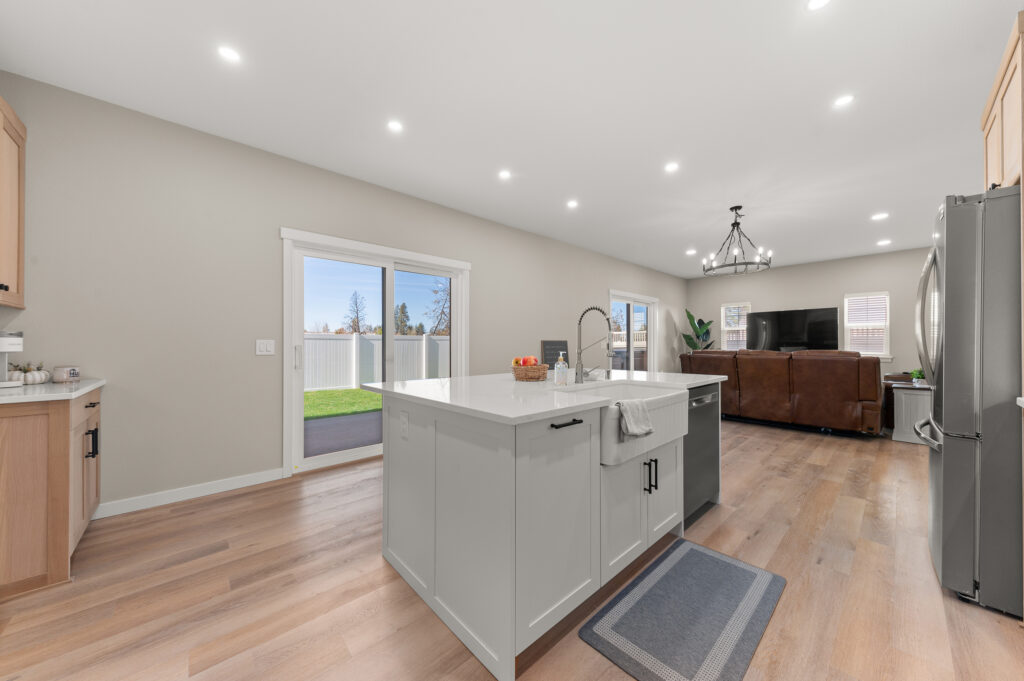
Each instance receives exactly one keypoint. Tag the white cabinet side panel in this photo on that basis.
(409, 477)
(475, 548)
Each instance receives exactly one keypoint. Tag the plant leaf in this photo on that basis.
(693, 323)
(691, 341)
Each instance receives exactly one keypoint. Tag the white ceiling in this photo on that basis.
(579, 98)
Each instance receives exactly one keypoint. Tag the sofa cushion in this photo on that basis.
(719, 362)
(826, 391)
(764, 385)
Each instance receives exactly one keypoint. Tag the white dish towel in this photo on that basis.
(634, 419)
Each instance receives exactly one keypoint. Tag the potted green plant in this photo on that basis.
(918, 376)
(700, 339)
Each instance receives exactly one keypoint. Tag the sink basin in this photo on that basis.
(627, 391)
(666, 405)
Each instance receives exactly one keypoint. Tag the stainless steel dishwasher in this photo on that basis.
(701, 467)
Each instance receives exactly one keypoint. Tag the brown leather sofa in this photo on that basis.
(822, 388)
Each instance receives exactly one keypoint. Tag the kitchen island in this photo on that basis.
(507, 504)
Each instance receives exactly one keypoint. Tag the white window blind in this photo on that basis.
(734, 326)
(867, 323)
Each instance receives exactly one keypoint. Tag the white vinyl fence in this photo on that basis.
(346, 361)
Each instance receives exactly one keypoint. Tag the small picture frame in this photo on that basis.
(549, 350)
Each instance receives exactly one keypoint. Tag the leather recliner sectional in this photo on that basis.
(823, 388)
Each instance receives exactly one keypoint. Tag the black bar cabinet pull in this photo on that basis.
(654, 485)
(94, 449)
(647, 465)
(91, 405)
(574, 422)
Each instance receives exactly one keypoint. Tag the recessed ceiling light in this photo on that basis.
(879, 216)
(229, 54)
(572, 204)
(691, 251)
(816, 4)
(505, 174)
(885, 242)
(671, 167)
(395, 126)
(843, 101)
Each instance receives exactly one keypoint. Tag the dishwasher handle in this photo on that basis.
(703, 400)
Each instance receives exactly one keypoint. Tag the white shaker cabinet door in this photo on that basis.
(665, 502)
(623, 515)
(557, 520)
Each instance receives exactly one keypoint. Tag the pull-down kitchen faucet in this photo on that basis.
(580, 373)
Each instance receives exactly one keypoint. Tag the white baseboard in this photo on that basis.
(169, 496)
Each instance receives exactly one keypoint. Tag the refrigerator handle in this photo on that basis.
(920, 312)
(919, 431)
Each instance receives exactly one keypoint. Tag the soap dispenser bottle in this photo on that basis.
(561, 370)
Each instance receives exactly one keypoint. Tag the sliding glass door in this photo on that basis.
(343, 333)
(423, 325)
(633, 334)
(358, 314)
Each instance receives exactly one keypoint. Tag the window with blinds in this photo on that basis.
(734, 326)
(867, 323)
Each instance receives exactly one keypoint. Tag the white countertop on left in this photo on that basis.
(48, 392)
(500, 398)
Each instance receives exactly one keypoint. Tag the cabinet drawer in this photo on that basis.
(81, 409)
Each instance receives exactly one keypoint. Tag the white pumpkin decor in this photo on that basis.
(31, 374)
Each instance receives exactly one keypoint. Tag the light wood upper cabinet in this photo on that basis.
(1002, 123)
(12, 208)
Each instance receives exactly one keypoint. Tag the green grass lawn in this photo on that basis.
(320, 404)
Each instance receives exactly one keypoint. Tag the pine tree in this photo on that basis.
(401, 320)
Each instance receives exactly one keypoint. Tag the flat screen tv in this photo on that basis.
(789, 330)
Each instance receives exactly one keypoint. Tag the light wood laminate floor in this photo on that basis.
(286, 581)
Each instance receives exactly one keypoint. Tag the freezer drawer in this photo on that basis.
(952, 478)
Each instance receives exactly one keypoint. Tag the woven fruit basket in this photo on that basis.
(534, 373)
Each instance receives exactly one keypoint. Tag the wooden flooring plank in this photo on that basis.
(285, 581)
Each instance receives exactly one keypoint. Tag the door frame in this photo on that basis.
(298, 243)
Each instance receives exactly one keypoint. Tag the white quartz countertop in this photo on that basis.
(499, 397)
(48, 392)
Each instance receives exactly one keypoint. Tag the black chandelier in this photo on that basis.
(732, 258)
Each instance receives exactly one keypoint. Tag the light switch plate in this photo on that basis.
(264, 346)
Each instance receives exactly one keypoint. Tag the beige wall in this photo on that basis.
(153, 259)
(824, 284)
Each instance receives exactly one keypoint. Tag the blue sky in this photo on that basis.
(329, 285)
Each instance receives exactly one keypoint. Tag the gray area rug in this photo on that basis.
(692, 615)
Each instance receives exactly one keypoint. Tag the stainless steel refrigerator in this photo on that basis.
(968, 324)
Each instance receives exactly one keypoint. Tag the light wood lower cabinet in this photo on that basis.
(49, 488)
